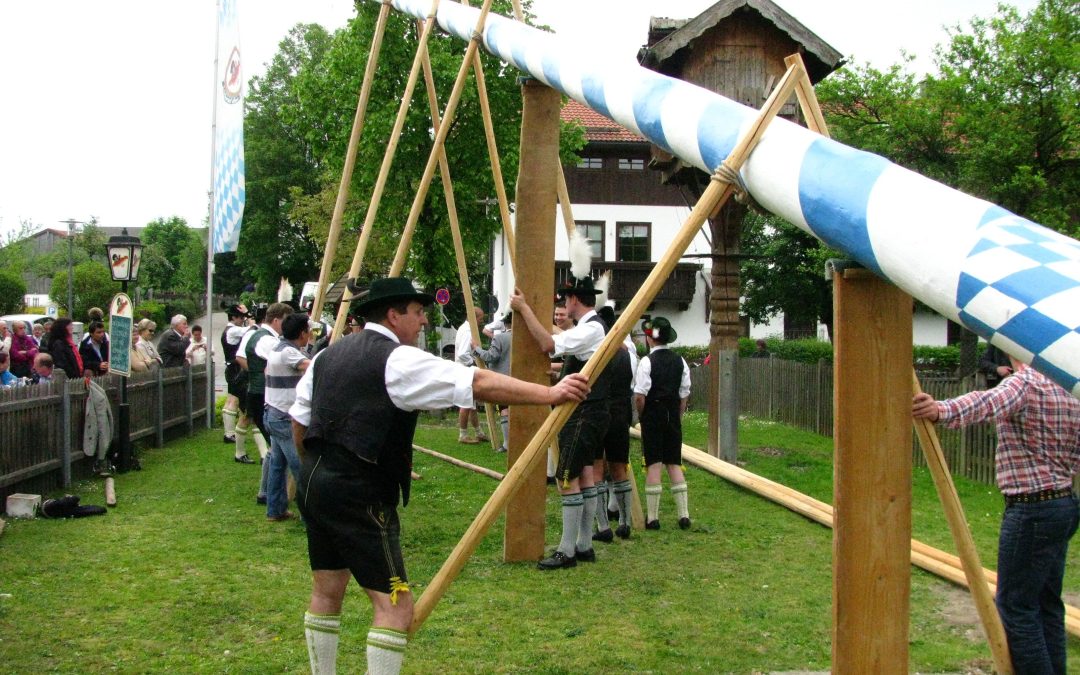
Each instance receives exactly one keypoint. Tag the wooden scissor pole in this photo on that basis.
(440, 141)
(384, 169)
(350, 161)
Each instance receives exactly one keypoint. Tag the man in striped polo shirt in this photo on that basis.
(1038, 453)
(284, 368)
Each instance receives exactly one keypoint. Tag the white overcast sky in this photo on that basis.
(107, 105)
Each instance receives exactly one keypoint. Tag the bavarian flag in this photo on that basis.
(228, 132)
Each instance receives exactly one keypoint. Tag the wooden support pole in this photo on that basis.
(872, 475)
(440, 141)
(455, 234)
(384, 172)
(350, 161)
(965, 545)
(715, 195)
(523, 535)
(460, 462)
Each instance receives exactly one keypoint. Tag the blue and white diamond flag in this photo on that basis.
(228, 132)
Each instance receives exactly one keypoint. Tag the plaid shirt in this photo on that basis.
(1038, 429)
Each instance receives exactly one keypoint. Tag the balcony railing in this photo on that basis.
(628, 277)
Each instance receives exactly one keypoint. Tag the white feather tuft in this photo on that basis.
(284, 291)
(603, 284)
(580, 255)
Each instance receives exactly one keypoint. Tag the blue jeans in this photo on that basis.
(282, 455)
(1031, 563)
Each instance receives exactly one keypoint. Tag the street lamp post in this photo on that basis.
(124, 253)
(71, 223)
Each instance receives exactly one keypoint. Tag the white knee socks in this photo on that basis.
(652, 502)
(241, 440)
(385, 651)
(228, 418)
(321, 632)
(679, 494)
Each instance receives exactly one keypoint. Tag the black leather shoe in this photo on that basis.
(228, 439)
(684, 523)
(586, 556)
(243, 459)
(623, 531)
(604, 535)
(652, 524)
(558, 560)
(261, 501)
(551, 480)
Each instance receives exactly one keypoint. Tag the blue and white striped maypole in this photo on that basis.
(1012, 281)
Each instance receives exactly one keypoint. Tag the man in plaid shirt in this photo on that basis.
(1038, 452)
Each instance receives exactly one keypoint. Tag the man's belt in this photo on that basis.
(1040, 496)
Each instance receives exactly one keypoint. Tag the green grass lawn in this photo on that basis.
(186, 575)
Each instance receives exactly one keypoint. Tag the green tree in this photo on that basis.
(92, 286)
(87, 244)
(12, 290)
(164, 241)
(15, 249)
(191, 275)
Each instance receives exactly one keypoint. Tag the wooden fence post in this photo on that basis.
(189, 400)
(872, 474)
(66, 423)
(159, 396)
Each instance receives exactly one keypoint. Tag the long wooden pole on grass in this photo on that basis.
(455, 233)
(440, 141)
(384, 170)
(718, 192)
(350, 160)
(961, 533)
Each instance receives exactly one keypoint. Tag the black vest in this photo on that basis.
(228, 349)
(602, 386)
(351, 409)
(622, 376)
(256, 364)
(666, 373)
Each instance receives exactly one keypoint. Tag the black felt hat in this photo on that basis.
(659, 328)
(390, 289)
(582, 286)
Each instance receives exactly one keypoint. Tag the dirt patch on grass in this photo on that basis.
(958, 609)
(769, 451)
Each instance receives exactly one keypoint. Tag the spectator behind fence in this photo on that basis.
(23, 350)
(5, 337)
(39, 334)
(43, 368)
(94, 350)
(62, 348)
(140, 363)
(196, 351)
(6, 378)
(145, 345)
(174, 342)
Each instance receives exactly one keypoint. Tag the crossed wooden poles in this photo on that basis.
(724, 185)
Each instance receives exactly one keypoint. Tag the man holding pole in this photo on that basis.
(1038, 453)
(367, 389)
(580, 438)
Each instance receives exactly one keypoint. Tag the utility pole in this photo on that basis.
(71, 223)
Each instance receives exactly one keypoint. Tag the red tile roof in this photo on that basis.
(597, 126)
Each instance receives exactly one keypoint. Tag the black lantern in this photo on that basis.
(125, 254)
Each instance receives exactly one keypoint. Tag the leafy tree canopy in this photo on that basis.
(12, 290)
(92, 286)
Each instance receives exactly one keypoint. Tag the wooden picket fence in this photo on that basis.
(801, 395)
(41, 426)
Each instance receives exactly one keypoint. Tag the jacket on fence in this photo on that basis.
(98, 423)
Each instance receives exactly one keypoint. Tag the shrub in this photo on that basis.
(12, 290)
(155, 311)
(181, 306)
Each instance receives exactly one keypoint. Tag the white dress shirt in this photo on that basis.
(581, 340)
(643, 377)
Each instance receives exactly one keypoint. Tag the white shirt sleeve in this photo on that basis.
(266, 345)
(580, 341)
(416, 380)
(301, 407)
(463, 345)
(241, 351)
(684, 384)
(643, 376)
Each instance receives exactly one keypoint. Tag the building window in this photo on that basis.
(593, 230)
(629, 164)
(591, 163)
(632, 242)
